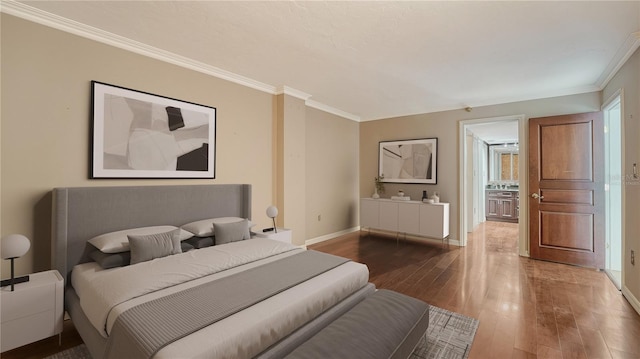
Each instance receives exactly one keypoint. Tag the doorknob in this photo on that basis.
(535, 195)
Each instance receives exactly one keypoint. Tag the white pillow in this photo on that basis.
(205, 227)
(116, 242)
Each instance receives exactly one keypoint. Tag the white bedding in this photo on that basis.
(104, 294)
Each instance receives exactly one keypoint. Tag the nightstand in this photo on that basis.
(283, 235)
(33, 311)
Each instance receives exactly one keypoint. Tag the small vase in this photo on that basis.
(375, 194)
(424, 195)
(435, 197)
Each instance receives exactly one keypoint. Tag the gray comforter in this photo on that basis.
(143, 330)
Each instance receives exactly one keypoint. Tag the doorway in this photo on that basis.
(613, 189)
(474, 170)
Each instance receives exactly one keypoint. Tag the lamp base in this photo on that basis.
(17, 280)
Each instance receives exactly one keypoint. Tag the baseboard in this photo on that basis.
(327, 237)
(631, 298)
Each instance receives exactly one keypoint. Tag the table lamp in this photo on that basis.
(272, 212)
(14, 246)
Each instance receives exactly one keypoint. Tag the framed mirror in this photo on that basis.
(503, 163)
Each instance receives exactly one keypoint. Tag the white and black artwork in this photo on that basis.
(141, 135)
(408, 161)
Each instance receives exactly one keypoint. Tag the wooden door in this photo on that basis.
(566, 188)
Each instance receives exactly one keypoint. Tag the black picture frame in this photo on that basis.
(136, 134)
(409, 161)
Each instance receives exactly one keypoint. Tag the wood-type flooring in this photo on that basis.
(527, 308)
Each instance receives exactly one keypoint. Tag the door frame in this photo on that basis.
(523, 170)
(619, 95)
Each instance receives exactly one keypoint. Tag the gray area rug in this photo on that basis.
(449, 336)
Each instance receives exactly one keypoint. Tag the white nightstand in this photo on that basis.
(283, 235)
(33, 311)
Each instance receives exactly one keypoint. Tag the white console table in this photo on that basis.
(408, 217)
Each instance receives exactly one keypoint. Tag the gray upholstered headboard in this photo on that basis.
(82, 213)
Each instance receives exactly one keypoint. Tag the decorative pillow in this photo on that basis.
(185, 247)
(116, 242)
(204, 227)
(113, 260)
(232, 231)
(147, 247)
(199, 242)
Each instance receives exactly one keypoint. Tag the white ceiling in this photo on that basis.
(374, 59)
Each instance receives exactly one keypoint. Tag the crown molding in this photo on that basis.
(292, 92)
(315, 104)
(32, 14)
(38, 16)
(494, 102)
(622, 55)
(332, 110)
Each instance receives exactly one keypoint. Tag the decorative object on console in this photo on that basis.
(272, 212)
(379, 186)
(401, 197)
(141, 135)
(409, 161)
(424, 196)
(435, 197)
(14, 246)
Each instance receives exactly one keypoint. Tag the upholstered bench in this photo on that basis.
(386, 324)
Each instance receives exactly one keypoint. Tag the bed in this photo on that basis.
(125, 309)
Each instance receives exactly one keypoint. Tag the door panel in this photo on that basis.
(566, 206)
(567, 196)
(567, 230)
(508, 209)
(566, 152)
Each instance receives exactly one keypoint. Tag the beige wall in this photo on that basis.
(332, 174)
(46, 97)
(292, 192)
(628, 80)
(261, 138)
(444, 126)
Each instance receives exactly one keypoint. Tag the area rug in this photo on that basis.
(449, 336)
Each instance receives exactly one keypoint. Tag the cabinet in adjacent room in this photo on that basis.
(502, 205)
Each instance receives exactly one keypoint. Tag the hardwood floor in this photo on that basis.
(43, 348)
(526, 308)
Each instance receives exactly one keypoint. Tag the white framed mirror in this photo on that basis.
(503, 163)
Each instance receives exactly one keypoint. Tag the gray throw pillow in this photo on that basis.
(232, 232)
(147, 247)
(111, 260)
(199, 242)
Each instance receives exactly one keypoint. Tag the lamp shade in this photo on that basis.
(272, 211)
(14, 246)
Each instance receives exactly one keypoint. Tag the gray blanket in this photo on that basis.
(144, 329)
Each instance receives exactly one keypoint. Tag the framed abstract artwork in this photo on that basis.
(140, 135)
(409, 161)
